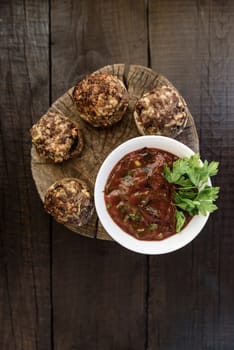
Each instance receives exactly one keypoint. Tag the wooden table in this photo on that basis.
(60, 290)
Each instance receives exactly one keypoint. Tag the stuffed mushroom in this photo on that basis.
(101, 99)
(56, 137)
(161, 111)
(69, 201)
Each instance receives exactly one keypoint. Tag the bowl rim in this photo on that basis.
(167, 245)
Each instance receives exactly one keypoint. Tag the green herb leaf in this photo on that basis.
(193, 194)
(180, 220)
(208, 193)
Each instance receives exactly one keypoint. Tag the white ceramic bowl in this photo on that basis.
(167, 245)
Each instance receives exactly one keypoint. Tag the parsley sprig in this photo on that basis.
(193, 194)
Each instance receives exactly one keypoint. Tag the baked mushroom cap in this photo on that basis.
(161, 111)
(57, 137)
(101, 99)
(69, 201)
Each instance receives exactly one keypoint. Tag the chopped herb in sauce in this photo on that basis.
(153, 226)
(127, 180)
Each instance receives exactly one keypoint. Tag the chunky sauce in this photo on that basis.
(138, 197)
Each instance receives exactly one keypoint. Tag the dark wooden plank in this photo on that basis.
(99, 296)
(191, 291)
(89, 35)
(98, 287)
(24, 238)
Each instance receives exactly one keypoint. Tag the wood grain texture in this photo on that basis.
(24, 239)
(99, 290)
(95, 34)
(100, 142)
(191, 291)
(99, 295)
(103, 296)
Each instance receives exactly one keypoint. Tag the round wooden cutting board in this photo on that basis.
(100, 142)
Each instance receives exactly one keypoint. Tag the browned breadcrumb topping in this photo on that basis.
(57, 137)
(101, 99)
(161, 111)
(69, 202)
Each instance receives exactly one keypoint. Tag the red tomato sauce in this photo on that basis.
(138, 197)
